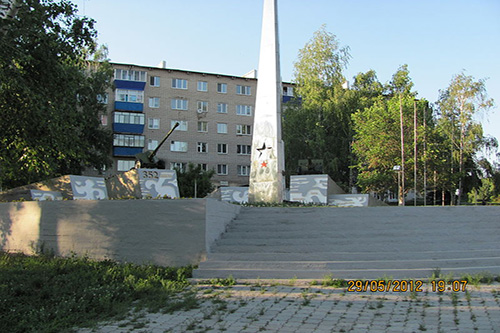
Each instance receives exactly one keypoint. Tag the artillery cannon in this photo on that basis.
(148, 158)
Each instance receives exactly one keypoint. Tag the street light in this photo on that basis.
(397, 168)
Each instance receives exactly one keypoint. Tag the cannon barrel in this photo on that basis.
(153, 154)
(147, 158)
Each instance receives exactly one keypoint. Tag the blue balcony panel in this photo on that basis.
(287, 99)
(131, 85)
(128, 128)
(128, 106)
(126, 151)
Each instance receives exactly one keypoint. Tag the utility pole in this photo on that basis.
(402, 188)
(415, 151)
(425, 156)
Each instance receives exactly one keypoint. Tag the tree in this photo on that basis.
(194, 182)
(385, 133)
(458, 104)
(367, 84)
(49, 90)
(320, 126)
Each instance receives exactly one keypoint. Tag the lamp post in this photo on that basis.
(397, 168)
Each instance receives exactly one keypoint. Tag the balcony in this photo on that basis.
(126, 151)
(128, 128)
(129, 106)
(131, 85)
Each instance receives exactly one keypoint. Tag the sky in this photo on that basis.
(437, 39)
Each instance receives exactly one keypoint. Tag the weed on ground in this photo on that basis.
(44, 293)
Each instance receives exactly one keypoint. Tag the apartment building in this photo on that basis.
(215, 113)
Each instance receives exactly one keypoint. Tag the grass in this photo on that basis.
(227, 282)
(44, 293)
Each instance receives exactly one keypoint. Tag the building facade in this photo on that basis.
(215, 113)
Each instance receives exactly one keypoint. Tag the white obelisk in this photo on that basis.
(268, 162)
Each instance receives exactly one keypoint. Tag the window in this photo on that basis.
(222, 128)
(129, 118)
(288, 91)
(103, 99)
(203, 166)
(179, 84)
(154, 102)
(244, 110)
(222, 169)
(203, 126)
(178, 165)
(128, 140)
(130, 75)
(132, 96)
(153, 123)
(202, 147)
(124, 165)
(221, 107)
(243, 129)
(179, 146)
(183, 125)
(243, 170)
(152, 144)
(222, 88)
(222, 148)
(243, 90)
(202, 86)
(154, 81)
(179, 104)
(243, 149)
(202, 106)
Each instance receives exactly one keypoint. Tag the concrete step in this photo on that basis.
(332, 237)
(355, 256)
(376, 246)
(351, 265)
(370, 274)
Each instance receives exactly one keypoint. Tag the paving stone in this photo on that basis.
(289, 315)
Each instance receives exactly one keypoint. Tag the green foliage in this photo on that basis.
(48, 294)
(193, 177)
(401, 82)
(227, 282)
(458, 104)
(320, 127)
(484, 193)
(377, 142)
(48, 94)
(329, 281)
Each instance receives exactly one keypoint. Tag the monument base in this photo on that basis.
(321, 189)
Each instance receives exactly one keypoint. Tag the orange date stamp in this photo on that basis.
(405, 285)
(385, 285)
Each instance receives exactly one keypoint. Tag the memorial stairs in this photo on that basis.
(355, 243)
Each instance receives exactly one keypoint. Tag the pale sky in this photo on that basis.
(436, 38)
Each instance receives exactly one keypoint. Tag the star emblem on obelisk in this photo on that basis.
(262, 149)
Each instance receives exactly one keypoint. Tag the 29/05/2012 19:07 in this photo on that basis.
(405, 285)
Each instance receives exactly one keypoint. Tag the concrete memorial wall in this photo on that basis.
(312, 188)
(38, 195)
(234, 194)
(88, 188)
(158, 183)
(162, 232)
